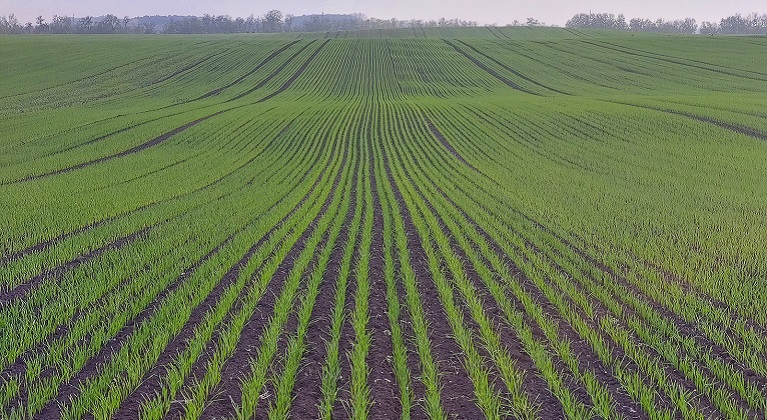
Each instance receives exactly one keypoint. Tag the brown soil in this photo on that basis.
(143, 146)
(151, 383)
(239, 363)
(448, 146)
(457, 389)
(384, 390)
(295, 75)
(263, 62)
(307, 392)
(21, 290)
(511, 70)
(274, 73)
(488, 70)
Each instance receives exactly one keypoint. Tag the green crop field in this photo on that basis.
(530, 223)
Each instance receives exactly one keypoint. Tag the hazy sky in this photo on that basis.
(484, 11)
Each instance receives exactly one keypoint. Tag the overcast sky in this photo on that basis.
(555, 12)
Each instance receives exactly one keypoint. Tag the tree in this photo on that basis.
(289, 18)
(533, 22)
(272, 21)
(709, 28)
(85, 24)
(109, 25)
(42, 27)
(620, 23)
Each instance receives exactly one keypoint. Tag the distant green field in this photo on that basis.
(531, 223)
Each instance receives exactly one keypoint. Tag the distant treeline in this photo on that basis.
(733, 25)
(272, 21)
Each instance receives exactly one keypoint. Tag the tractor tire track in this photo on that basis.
(438, 135)
(274, 73)
(488, 70)
(731, 127)
(143, 146)
(296, 75)
(23, 289)
(511, 70)
(668, 60)
(263, 62)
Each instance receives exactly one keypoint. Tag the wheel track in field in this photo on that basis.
(47, 244)
(261, 64)
(511, 70)
(71, 82)
(274, 73)
(730, 71)
(731, 127)
(488, 70)
(91, 368)
(490, 29)
(162, 138)
(439, 136)
(529, 140)
(8, 258)
(515, 48)
(456, 385)
(141, 147)
(21, 290)
(159, 56)
(296, 75)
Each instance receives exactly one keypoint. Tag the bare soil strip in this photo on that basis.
(307, 391)
(263, 62)
(143, 146)
(296, 75)
(489, 71)
(21, 290)
(384, 390)
(273, 74)
(511, 70)
(675, 60)
(448, 146)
